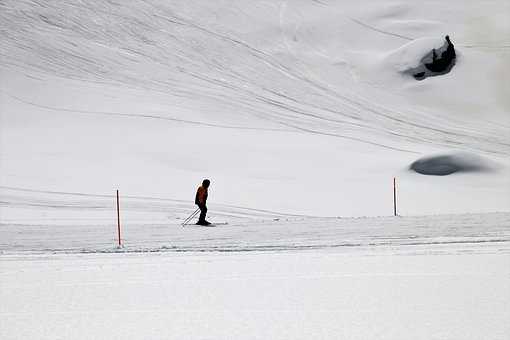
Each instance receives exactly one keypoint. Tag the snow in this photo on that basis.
(295, 277)
(300, 98)
(299, 113)
(248, 231)
(277, 295)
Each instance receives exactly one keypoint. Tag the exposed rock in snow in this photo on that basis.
(436, 62)
(422, 58)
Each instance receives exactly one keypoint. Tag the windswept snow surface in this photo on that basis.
(298, 107)
(255, 296)
(295, 110)
(475, 232)
(440, 277)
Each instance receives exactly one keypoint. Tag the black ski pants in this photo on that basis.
(203, 212)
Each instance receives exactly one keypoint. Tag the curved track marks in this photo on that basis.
(191, 53)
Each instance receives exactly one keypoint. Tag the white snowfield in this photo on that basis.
(436, 277)
(290, 106)
(301, 114)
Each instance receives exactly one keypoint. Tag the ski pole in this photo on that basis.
(190, 217)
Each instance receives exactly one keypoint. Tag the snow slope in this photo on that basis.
(296, 107)
(441, 277)
(295, 110)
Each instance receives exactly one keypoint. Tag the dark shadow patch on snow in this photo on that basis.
(443, 165)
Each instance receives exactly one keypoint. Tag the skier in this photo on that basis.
(201, 199)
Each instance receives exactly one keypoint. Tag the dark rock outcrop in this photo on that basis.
(436, 62)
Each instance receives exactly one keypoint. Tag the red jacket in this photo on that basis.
(201, 196)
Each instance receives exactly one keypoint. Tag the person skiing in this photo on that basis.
(201, 200)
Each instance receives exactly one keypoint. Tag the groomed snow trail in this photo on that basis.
(388, 278)
(471, 232)
(436, 291)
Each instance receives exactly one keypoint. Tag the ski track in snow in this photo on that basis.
(281, 73)
(109, 42)
(213, 59)
(359, 22)
(158, 116)
(484, 233)
(54, 223)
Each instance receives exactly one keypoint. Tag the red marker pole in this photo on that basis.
(394, 196)
(118, 218)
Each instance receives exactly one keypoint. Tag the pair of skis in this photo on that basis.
(187, 220)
